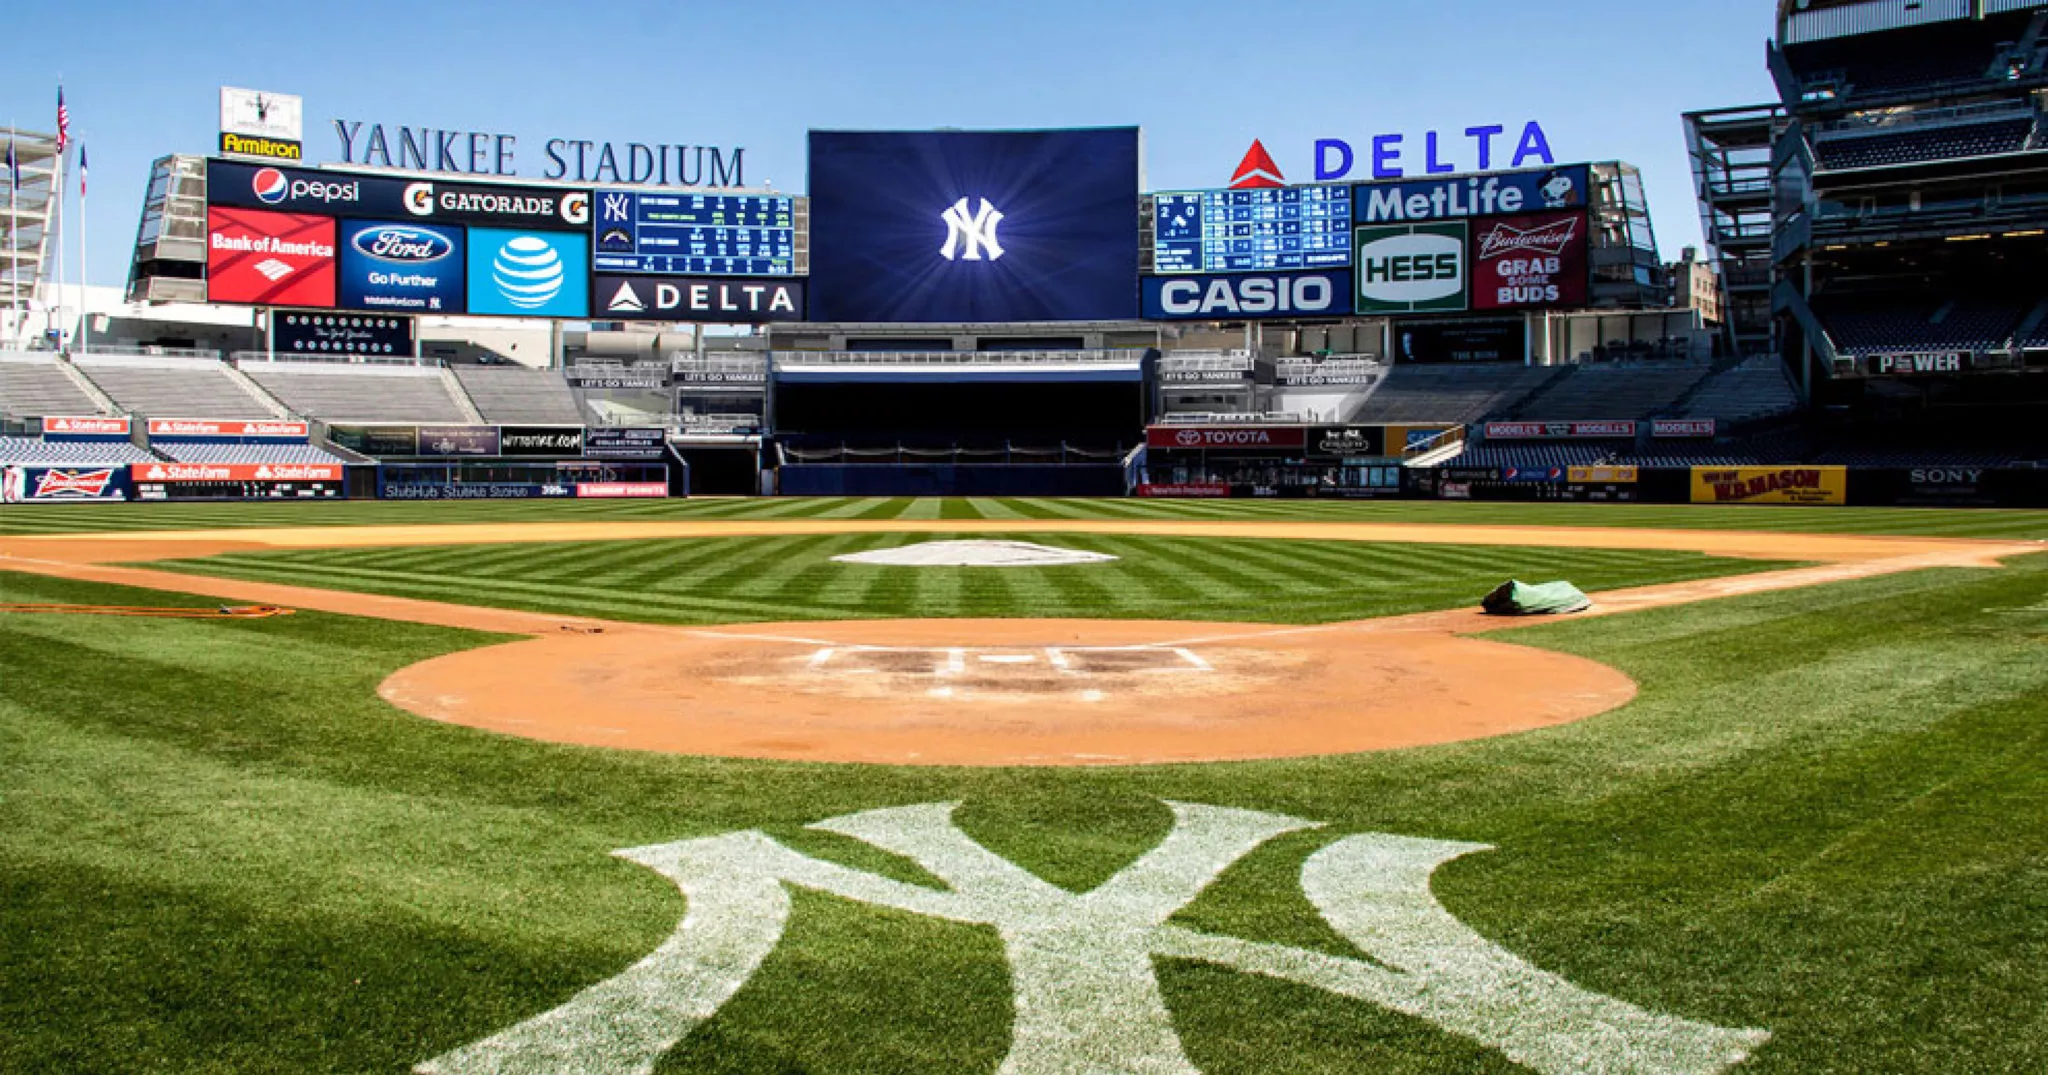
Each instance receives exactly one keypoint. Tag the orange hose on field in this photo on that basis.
(225, 612)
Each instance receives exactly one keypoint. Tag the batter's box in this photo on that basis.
(958, 662)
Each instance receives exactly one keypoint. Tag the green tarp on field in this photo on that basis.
(1535, 599)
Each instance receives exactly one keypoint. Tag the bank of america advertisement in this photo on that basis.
(260, 258)
(974, 225)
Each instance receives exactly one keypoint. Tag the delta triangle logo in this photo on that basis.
(626, 301)
(1257, 170)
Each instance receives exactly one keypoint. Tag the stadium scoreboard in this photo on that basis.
(695, 234)
(1257, 230)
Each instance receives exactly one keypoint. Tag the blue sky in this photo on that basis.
(1607, 80)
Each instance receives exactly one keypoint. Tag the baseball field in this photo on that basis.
(668, 787)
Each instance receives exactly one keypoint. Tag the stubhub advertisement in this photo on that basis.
(529, 273)
(414, 268)
(974, 225)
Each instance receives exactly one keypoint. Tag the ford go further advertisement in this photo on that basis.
(416, 268)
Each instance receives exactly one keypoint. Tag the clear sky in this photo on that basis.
(1203, 78)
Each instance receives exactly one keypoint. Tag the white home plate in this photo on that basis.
(975, 554)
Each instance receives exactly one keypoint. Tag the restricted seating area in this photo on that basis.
(172, 387)
(225, 452)
(1451, 394)
(1610, 392)
(1756, 387)
(32, 386)
(361, 393)
(1932, 144)
(1890, 324)
(35, 450)
(519, 395)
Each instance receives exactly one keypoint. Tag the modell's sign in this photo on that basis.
(206, 427)
(1558, 430)
(1682, 427)
(1196, 437)
(1770, 485)
(87, 426)
(236, 472)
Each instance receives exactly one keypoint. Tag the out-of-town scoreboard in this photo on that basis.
(1259, 230)
(684, 234)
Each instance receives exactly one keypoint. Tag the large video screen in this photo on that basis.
(974, 225)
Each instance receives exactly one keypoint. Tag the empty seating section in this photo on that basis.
(360, 394)
(1450, 394)
(1939, 143)
(34, 388)
(1597, 392)
(1757, 387)
(1878, 326)
(1511, 454)
(520, 395)
(1924, 457)
(1901, 61)
(218, 452)
(200, 389)
(70, 453)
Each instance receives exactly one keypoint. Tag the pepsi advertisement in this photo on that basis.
(394, 197)
(411, 268)
(974, 225)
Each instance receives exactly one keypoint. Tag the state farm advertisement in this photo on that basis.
(207, 427)
(260, 258)
(84, 426)
(1212, 437)
(1524, 262)
(236, 472)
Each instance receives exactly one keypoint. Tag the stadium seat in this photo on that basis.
(32, 386)
(173, 388)
(1941, 143)
(1450, 395)
(519, 395)
(34, 450)
(226, 452)
(347, 393)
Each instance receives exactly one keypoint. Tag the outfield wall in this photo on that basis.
(951, 479)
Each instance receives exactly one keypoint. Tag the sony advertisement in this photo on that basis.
(972, 226)
(413, 268)
(395, 197)
(1247, 296)
(269, 259)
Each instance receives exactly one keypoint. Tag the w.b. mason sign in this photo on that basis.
(1086, 998)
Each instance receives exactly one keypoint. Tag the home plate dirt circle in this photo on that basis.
(1009, 692)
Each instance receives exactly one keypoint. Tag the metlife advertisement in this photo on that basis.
(529, 273)
(414, 268)
(974, 225)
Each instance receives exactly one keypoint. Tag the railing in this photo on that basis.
(241, 358)
(129, 350)
(1248, 418)
(1924, 119)
(783, 359)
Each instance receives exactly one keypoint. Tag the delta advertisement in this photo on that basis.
(741, 300)
(974, 226)
(1770, 485)
(255, 257)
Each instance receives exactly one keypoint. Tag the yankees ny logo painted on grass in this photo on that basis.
(1086, 997)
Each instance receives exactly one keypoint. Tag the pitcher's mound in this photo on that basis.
(975, 554)
(1010, 692)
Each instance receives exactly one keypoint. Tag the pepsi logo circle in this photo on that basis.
(270, 186)
(528, 272)
(412, 246)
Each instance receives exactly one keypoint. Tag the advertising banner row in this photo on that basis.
(503, 442)
(962, 226)
(169, 481)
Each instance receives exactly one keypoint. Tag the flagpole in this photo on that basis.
(14, 234)
(53, 226)
(84, 312)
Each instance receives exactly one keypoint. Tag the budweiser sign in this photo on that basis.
(207, 427)
(237, 472)
(94, 425)
(64, 484)
(1192, 437)
(1549, 240)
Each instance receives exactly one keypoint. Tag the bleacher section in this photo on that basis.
(1421, 394)
(34, 450)
(1608, 392)
(349, 393)
(1939, 143)
(1756, 388)
(517, 394)
(32, 386)
(172, 387)
(1578, 454)
(1920, 60)
(1880, 325)
(219, 452)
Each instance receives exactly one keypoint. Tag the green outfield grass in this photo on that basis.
(76, 518)
(1826, 815)
(718, 580)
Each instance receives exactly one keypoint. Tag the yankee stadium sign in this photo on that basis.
(579, 160)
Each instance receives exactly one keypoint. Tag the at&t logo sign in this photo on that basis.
(969, 236)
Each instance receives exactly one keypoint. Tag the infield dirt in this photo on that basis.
(1001, 692)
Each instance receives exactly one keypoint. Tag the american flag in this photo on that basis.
(63, 122)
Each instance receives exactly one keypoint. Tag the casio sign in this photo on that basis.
(408, 245)
(1305, 294)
